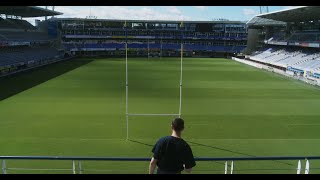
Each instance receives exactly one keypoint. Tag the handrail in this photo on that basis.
(148, 159)
(77, 165)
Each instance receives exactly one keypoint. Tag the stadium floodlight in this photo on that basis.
(127, 86)
(264, 9)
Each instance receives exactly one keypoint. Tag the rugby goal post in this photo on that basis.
(127, 86)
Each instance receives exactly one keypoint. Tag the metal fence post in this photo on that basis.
(299, 167)
(80, 167)
(231, 171)
(307, 167)
(226, 168)
(73, 167)
(4, 168)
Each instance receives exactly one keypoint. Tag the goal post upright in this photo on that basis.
(148, 48)
(127, 86)
(181, 62)
(180, 86)
(161, 46)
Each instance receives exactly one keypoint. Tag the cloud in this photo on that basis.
(200, 7)
(121, 12)
(289, 7)
(173, 10)
(249, 12)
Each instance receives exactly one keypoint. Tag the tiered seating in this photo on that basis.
(152, 45)
(28, 49)
(294, 58)
(317, 69)
(310, 57)
(302, 59)
(23, 36)
(24, 55)
(308, 65)
(270, 55)
(305, 37)
(5, 24)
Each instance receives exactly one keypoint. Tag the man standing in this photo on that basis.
(172, 154)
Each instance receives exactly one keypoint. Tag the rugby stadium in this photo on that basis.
(89, 95)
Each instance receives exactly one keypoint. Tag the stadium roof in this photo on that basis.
(27, 11)
(258, 21)
(297, 14)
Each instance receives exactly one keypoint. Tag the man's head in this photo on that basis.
(177, 124)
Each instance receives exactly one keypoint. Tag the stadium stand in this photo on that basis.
(305, 36)
(93, 36)
(26, 55)
(286, 57)
(289, 41)
(5, 24)
(22, 45)
(23, 36)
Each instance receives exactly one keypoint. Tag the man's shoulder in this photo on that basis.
(173, 139)
(184, 142)
(165, 138)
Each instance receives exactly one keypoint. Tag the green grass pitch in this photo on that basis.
(77, 108)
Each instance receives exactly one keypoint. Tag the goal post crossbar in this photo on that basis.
(153, 114)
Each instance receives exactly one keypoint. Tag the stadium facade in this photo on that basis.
(153, 38)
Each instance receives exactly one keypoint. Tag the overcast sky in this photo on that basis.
(240, 13)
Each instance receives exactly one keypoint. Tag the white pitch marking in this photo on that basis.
(153, 114)
(198, 124)
(303, 124)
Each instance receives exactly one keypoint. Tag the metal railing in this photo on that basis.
(78, 169)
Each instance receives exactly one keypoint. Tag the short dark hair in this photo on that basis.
(178, 124)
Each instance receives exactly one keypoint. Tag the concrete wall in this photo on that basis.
(252, 40)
